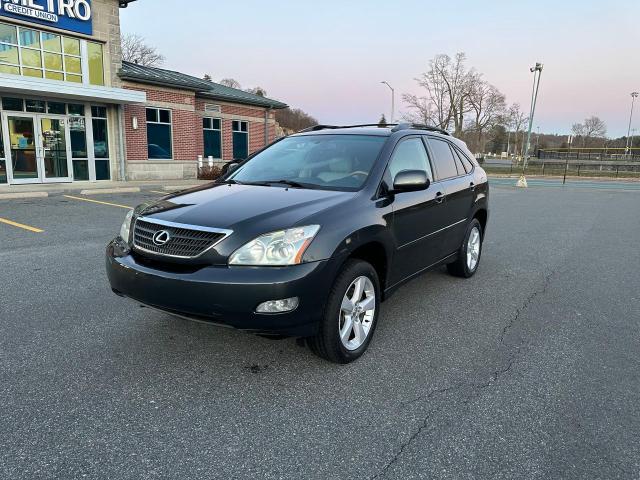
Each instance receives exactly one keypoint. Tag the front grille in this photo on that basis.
(185, 241)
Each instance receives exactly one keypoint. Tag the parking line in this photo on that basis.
(21, 225)
(98, 201)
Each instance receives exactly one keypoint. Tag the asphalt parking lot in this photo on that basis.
(531, 369)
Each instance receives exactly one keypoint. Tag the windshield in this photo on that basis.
(340, 162)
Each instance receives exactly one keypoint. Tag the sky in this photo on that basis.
(328, 58)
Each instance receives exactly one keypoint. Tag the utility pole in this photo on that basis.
(634, 95)
(537, 73)
(393, 100)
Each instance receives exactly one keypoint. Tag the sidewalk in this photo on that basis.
(95, 188)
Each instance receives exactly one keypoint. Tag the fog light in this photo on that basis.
(278, 306)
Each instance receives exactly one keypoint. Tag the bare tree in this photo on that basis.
(593, 127)
(421, 110)
(135, 50)
(448, 84)
(230, 82)
(261, 92)
(516, 122)
(383, 121)
(487, 106)
(207, 77)
(293, 120)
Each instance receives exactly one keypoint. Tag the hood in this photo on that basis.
(232, 206)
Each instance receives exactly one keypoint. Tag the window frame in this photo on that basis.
(240, 122)
(395, 149)
(158, 122)
(428, 139)
(211, 129)
(82, 56)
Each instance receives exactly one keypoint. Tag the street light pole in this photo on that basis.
(393, 100)
(537, 70)
(634, 95)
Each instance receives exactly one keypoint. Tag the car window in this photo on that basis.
(461, 169)
(468, 166)
(337, 162)
(443, 158)
(410, 154)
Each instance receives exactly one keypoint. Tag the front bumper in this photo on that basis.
(226, 295)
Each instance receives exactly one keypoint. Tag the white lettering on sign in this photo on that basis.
(80, 9)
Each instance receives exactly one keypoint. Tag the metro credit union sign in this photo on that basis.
(72, 15)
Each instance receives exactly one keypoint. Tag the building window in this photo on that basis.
(96, 63)
(212, 137)
(100, 142)
(3, 163)
(240, 138)
(33, 53)
(159, 144)
(78, 136)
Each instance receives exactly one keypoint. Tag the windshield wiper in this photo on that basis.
(229, 182)
(289, 183)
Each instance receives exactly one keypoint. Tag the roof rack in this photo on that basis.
(418, 126)
(396, 127)
(327, 127)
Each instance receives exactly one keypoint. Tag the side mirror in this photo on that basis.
(229, 167)
(410, 181)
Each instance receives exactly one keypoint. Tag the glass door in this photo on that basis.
(23, 149)
(54, 154)
(38, 148)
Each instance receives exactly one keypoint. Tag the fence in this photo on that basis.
(572, 168)
(596, 154)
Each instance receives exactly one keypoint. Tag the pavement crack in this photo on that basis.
(477, 388)
(526, 304)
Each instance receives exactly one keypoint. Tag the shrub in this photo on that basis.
(209, 173)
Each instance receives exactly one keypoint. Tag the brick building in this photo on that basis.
(71, 109)
(184, 117)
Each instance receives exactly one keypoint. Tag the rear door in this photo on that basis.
(459, 189)
(417, 216)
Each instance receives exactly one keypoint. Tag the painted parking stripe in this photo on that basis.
(99, 202)
(21, 225)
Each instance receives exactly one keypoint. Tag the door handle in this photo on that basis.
(439, 197)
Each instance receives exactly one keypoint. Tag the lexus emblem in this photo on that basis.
(161, 238)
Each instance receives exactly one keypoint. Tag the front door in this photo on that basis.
(417, 216)
(38, 148)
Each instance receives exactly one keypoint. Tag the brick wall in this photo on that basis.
(187, 111)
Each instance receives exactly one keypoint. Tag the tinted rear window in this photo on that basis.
(443, 159)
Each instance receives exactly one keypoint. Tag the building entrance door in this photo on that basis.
(38, 148)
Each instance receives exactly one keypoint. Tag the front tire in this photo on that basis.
(470, 251)
(350, 315)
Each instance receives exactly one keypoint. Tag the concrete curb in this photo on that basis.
(13, 196)
(99, 191)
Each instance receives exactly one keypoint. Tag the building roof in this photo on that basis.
(169, 78)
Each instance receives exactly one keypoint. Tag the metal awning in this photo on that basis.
(40, 87)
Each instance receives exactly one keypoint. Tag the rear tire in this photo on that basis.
(350, 315)
(466, 265)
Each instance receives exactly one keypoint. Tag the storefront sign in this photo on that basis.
(72, 15)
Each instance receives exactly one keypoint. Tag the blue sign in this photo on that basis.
(72, 15)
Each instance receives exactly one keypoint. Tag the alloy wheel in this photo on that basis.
(357, 312)
(473, 249)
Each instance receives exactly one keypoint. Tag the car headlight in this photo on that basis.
(125, 229)
(284, 247)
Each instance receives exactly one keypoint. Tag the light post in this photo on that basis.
(393, 100)
(537, 71)
(634, 95)
(537, 138)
